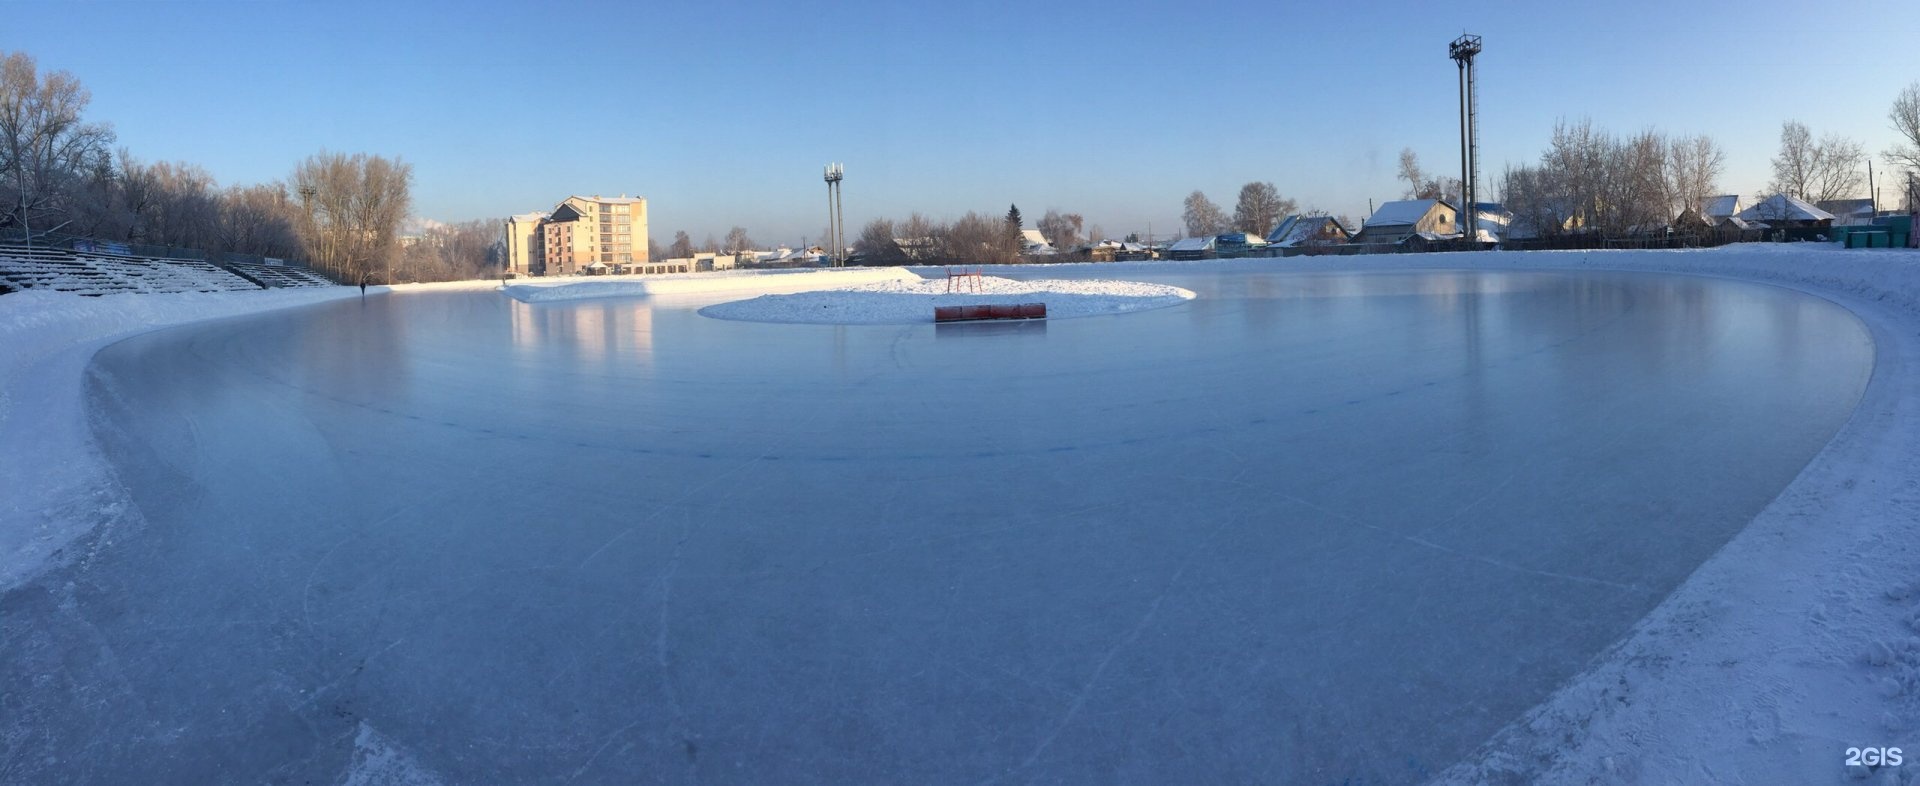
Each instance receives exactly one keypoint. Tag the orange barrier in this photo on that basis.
(985, 312)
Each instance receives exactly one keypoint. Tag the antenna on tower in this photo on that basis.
(1462, 51)
(836, 234)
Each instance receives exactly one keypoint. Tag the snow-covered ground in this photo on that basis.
(908, 301)
(1762, 668)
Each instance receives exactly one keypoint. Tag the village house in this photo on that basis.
(1397, 221)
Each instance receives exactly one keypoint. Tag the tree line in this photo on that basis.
(61, 176)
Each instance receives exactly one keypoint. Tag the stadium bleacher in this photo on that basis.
(279, 275)
(96, 273)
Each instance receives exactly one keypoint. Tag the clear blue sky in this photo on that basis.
(723, 113)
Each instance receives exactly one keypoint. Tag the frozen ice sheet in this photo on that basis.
(1306, 528)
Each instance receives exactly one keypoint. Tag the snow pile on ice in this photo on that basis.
(57, 487)
(542, 290)
(909, 301)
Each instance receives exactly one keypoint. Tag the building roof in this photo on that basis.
(1403, 213)
(619, 200)
(1720, 206)
(1297, 229)
(1033, 237)
(1192, 244)
(1781, 207)
(1848, 209)
(1245, 238)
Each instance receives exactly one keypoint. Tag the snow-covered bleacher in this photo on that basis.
(94, 273)
(279, 275)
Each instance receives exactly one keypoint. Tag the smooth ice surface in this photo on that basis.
(913, 301)
(1303, 529)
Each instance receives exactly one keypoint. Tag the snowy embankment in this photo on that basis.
(56, 486)
(542, 290)
(913, 300)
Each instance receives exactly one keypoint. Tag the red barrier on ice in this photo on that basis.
(980, 313)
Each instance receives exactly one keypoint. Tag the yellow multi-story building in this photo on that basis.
(526, 245)
(582, 235)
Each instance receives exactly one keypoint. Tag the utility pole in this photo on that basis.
(1462, 51)
(1873, 194)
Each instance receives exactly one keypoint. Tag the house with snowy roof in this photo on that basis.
(1033, 242)
(1233, 245)
(1298, 230)
(1782, 210)
(1192, 248)
(1849, 212)
(1716, 209)
(1397, 221)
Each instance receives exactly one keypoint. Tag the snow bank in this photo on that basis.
(542, 290)
(56, 485)
(913, 300)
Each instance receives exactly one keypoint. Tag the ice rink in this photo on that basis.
(1307, 528)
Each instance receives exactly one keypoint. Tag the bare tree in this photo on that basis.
(1061, 229)
(1837, 170)
(44, 144)
(1411, 172)
(915, 227)
(682, 247)
(1694, 164)
(876, 242)
(455, 252)
(1260, 208)
(1202, 216)
(976, 239)
(1424, 185)
(185, 209)
(258, 219)
(737, 240)
(351, 210)
(1905, 115)
(1816, 171)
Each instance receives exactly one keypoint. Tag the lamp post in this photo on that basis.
(1462, 51)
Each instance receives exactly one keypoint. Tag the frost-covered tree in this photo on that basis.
(46, 148)
(1693, 168)
(1202, 217)
(737, 240)
(1260, 208)
(1816, 171)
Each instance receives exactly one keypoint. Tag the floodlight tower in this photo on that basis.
(1462, 51)
(836, 235)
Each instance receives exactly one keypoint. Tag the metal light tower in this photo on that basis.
(1462, 51)
(836, 235)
